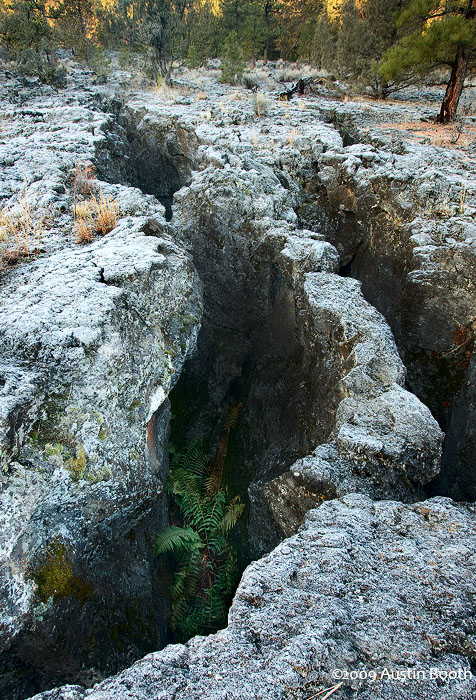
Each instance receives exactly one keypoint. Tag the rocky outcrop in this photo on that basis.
(310, 360)
(377, 594)
(382, 442)
(265, 215)
(92, 339)
(405, 227)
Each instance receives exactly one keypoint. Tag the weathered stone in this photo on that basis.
(364, 587)
(94, 338)
(382, 440)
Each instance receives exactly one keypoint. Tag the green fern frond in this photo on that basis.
(234, 510)
(193, 508)
(205, 561)
(174, 538)
(178, 587)
(218, 544)
(194, 573)
(181, 482)
(214, 512)
(194, 459)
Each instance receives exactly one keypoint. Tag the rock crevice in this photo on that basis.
(237, 299)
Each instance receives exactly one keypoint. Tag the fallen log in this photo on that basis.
(302, 87)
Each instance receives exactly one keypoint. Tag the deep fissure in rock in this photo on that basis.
(444, 381)
(156, 158)
(251, 351)
(253, 348)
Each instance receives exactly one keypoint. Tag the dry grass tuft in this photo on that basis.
(20, 233)
(84, 210)
(107, 211)
(260, 104)
(293, 134)
(97, 215)
(202, 95)
(84, 232)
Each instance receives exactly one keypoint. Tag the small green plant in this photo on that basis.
(204, 558)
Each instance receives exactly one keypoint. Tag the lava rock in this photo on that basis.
(380, 595)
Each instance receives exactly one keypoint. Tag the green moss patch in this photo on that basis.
(55, 577)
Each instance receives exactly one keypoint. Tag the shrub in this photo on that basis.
(39, 64)
(250, 83)
(26, 31)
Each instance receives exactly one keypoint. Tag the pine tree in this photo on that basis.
(355, 39)
(155, 28)
(203, 31)
(296, 28)
(74, 27)
(232, 62)
(26, 29)
(325, 43)
(435, 34)
(352, 41)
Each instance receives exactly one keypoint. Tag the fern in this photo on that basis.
(215, 472)
(173, 539)
(204, 559)
(233, 512)
(194, 459)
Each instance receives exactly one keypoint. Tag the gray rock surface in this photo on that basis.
(382, 442)
(401, 213)
(93, 339)
(324, 363)
(364, 587)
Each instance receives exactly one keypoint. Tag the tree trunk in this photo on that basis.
(266, 38)
(82, 26)
(458, 75)
(454, 87)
